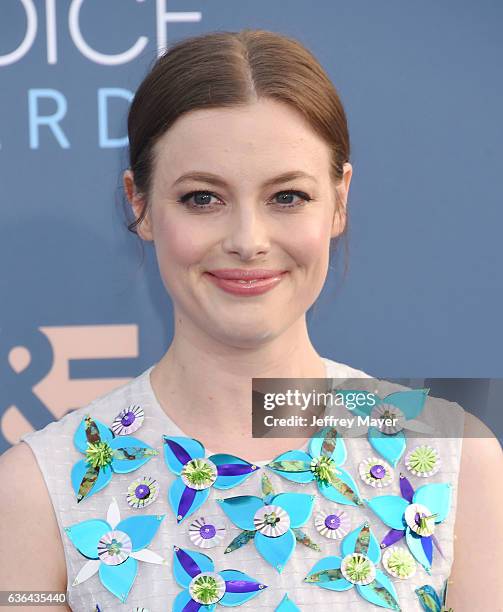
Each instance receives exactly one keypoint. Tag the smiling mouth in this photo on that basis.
(250, 286)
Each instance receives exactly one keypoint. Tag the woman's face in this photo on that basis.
(242, 217)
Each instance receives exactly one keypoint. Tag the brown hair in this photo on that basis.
(220, 69)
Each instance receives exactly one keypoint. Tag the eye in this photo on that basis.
(286, 202)
(202, 199)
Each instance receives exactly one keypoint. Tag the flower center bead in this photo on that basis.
(332, 521)
(207, 588)
(420, 519)
(323, 468)
(378, 471)
(142, 491)
(99, 454)
(358, 569)
(271, 521)
(128, 419)
(207, 531)
(114, 547)
(199, 473)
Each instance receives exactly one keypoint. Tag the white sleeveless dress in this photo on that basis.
(154, 587)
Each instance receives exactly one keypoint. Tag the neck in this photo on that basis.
(204, 386)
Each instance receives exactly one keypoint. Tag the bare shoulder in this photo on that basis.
(478, 511)
(481, 449)
(29, 530)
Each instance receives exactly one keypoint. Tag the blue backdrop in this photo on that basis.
(422, 88)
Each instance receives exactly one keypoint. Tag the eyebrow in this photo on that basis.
(213, 179)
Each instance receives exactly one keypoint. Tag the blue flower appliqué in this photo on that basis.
(414, 515)
(114, 548)
(273, 522)
(357, 568)
(105, 454)
(204, 588)
(197, 474)
(327, 452)
(396, 413)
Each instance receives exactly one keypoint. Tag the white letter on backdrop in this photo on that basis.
(103, 94)
(164, 17)
(96, 56)
(35, 120)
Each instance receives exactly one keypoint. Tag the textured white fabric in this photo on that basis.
(154, 587)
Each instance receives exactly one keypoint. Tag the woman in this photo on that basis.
(239, 174)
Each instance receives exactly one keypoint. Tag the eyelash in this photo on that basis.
(185, 199)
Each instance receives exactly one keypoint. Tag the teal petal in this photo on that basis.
(287, 605)
(182, 450)
(118, 579)
(80, 438)
(338, 448)
(437, 497)
(78, 472)
(390, 509)
(175, 492)
(181, 600)
(349, 542)
(141, 529)
(86, 535)
(124, 466)
(380, 592)
(295, 455)
(299, 506)
(227, 482)
(390, 447)
(327, 564)
(331, 493)
(236, 599)
(416, 548)
(411, 402)
(241, 510)
(276, 551)
(189, 563)
(428, 598)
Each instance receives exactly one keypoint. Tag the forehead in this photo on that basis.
(239, 143)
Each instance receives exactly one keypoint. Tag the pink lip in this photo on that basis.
(241, 273)
(246, 282)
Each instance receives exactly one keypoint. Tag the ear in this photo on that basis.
(340, 214)
(138, 203)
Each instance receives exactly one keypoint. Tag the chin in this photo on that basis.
(244, 336)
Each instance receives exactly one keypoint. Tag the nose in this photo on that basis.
(246, 233)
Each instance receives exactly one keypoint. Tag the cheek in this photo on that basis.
(309, 243)
(179, 242)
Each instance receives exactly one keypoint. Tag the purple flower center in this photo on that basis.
(332, 521)
(378, 471)
(128, 419)
(142, 491)
(207, 531)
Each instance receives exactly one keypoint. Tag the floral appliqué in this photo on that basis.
(114, 547)
(414, 515)
(197, 474)
(105, 454)
(204, 588)
(327, 452)
(272, 521)
(356, 568)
